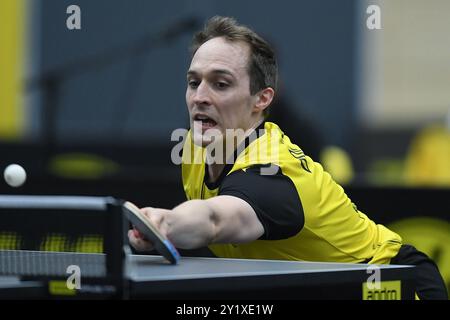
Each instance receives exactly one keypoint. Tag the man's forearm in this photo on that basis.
(190, 225)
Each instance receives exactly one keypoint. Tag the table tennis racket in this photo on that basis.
(160, 243)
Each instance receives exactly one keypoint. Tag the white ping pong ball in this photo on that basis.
(15, 175)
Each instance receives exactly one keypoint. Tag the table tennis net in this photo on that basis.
(42, 236)
(52, 264)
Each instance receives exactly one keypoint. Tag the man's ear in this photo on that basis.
(263, 99)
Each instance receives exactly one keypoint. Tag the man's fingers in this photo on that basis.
(146, 211)
(139, 243)
(137, 233)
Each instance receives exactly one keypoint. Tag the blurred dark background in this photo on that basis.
(91, 111)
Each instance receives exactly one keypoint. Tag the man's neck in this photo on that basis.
(215, 169)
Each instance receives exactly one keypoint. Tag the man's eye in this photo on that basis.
(193, 84)
(221, 85)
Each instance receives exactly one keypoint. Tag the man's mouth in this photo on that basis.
(204, 121)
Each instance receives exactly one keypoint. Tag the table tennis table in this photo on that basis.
(152, 277)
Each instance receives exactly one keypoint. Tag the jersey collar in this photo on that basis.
(229, 165)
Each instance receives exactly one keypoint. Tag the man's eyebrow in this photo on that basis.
(215, 71)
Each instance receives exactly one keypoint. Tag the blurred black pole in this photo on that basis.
(51, 93)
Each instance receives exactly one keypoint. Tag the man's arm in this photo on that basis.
(198, 223)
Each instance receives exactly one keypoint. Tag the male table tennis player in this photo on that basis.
(275, 205)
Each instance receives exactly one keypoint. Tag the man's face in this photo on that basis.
(218, 90)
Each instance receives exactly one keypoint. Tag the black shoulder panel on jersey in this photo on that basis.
(273, 197)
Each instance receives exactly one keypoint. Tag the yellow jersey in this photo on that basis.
(326, 225)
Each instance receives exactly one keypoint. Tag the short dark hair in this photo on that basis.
(262, 66)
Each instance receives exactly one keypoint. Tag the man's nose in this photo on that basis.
(202, 94)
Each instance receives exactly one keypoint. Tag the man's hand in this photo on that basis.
(155, 217)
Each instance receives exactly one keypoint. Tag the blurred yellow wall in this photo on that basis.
(12, 53)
